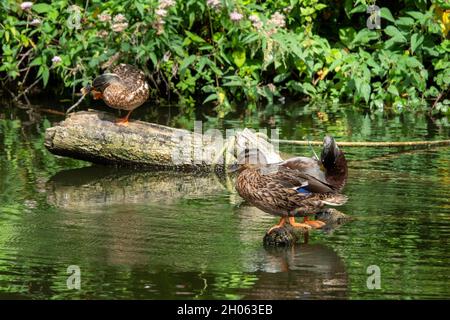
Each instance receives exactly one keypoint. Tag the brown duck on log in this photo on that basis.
(123, 88)
(299, 186)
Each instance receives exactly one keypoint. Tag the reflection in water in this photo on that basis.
(300, 272)
(140, 234)
(97, 186)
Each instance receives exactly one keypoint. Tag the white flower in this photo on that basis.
(35, 22)
(253, 18)
(163, 4)
(278, 20)
(271, 87)
(102, 34)
(161, 12)
(56, 59)
(104, 17)
(256, 22)
(119, 18)
(214, 4)
(119, 27)
(236, 16)
(26, 5)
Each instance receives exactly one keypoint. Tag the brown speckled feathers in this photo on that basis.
(296, 187)
(123, 88)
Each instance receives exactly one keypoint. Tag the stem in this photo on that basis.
(27, 89)
(369, 144)
(214, 44)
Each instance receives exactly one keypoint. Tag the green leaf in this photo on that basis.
(364, 36)
(194, 37)
(186, 62)
(416, 41)
(405, 21)
(41, 8)
(239, 57)
(139, 8)
(152, 57)
(395, 34)
(359, 8)
(386, 14)
(281, 77)
(211, 97)
(346, 35)
(36, 62)
(416, 15)
(393, 90)
(45, 75)
(413, 63)
(365, 91)
(252, 37)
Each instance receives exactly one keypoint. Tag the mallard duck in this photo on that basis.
(123, 88)
(299, 186)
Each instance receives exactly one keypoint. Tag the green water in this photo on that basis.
(149, 235)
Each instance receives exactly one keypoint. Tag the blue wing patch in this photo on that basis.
(303, 190)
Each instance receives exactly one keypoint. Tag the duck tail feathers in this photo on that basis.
(335, 200)
(101, 82)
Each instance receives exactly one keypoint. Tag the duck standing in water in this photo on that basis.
(123, 88)
(297, 187)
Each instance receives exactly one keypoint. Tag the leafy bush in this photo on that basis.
(228, 52)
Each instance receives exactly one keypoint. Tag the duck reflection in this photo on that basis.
(304, 271)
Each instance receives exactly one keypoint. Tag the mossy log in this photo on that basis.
(94, 136)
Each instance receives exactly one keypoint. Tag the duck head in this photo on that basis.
(334, 162)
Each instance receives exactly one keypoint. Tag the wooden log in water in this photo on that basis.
(94, 136)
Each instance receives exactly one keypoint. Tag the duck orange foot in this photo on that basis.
(298, 225)
(316, 224)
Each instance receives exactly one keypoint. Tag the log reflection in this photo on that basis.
(98, 186)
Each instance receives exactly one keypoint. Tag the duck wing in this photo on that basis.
(306, 169)
(131, 77)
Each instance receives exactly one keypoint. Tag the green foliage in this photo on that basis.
(229, 52)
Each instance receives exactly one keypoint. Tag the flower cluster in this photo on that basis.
(119, 23)
(161, 12)
(256, 21)
(236, 16)
(56, 59)
(26, 5)
(104, 17)
(35, 22)
(215, 5)
(278, 20)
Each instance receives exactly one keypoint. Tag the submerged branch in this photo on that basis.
(369, 144)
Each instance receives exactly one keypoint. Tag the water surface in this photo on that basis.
(150, 235)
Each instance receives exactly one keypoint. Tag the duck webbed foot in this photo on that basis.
(316, 224)
(297, 224)
(279, 225)
(123, 121)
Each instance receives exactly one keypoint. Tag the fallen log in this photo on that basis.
(94, 136)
